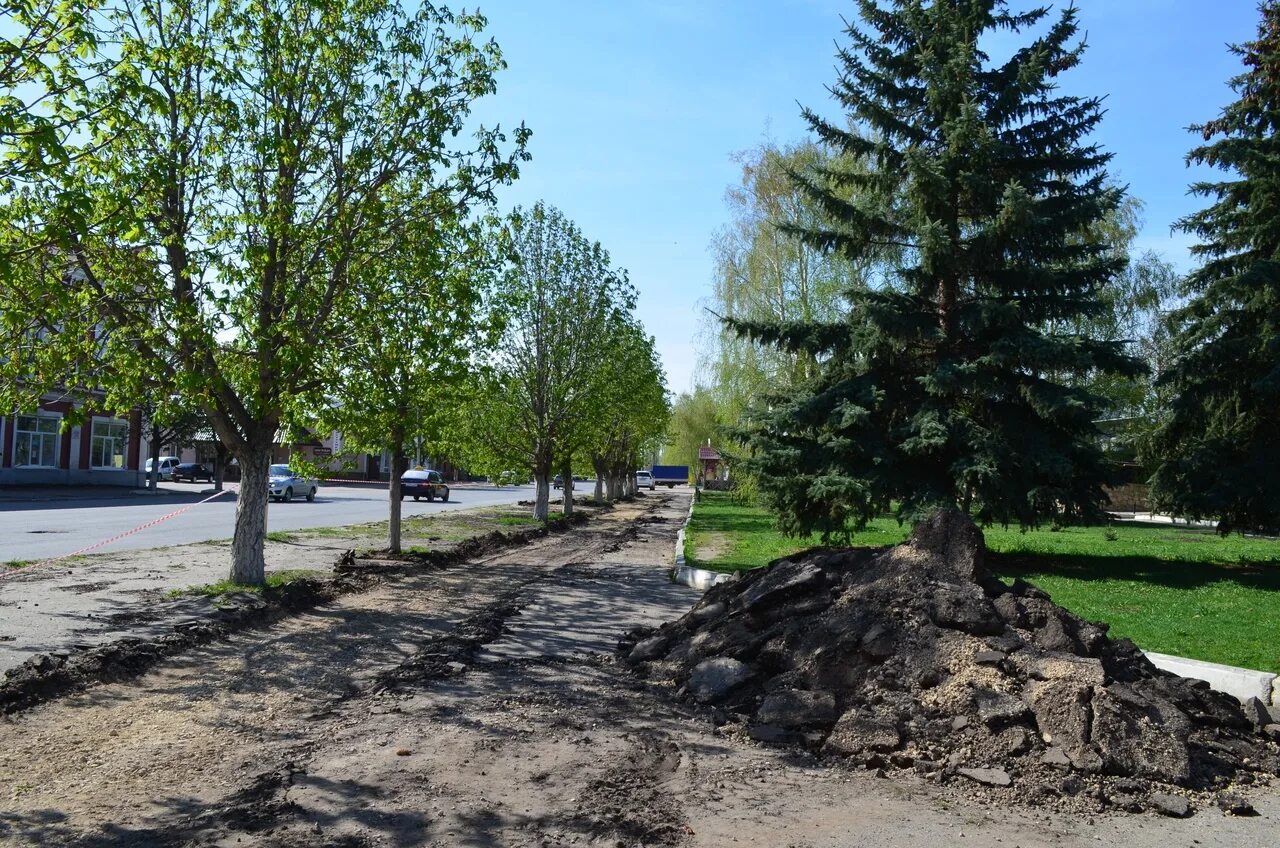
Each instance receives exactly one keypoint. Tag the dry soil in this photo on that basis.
(478, 706)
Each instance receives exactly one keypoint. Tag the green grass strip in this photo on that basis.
(1174, 590)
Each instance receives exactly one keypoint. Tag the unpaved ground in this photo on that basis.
(478, 706)
(102, 597)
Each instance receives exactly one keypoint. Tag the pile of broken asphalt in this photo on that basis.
(917, 658)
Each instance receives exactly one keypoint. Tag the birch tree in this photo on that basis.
(764, 272)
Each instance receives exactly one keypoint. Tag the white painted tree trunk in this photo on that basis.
(597, 464)
(248, 563)
(542, 496)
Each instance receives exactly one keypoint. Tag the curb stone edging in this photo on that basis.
(701, 579)
(1240, 683)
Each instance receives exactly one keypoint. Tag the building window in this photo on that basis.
(35, 441)
(110, 440)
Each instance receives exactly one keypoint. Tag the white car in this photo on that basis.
(167, 464)
(644, 479)
(285, 484)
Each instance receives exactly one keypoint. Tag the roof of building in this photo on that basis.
(708, 453)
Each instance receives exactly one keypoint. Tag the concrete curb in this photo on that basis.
(695, 578)
(1240, 683)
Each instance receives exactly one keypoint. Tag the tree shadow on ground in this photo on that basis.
(1173, 574)
(257, 814)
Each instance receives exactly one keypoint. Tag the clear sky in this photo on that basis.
(637, 109)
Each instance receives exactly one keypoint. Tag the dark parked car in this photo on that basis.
(424, 483)
(193, 471)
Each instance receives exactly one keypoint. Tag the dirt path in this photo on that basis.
(100, 598)
(478, 706)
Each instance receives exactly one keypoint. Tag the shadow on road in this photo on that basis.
(17, 501)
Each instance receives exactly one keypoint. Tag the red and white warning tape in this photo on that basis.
(153, 522)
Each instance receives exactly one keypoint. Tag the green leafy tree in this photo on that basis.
(695, 419)
(243, 161)
(596, 399)
(533, 389)
(1218, 451)
(950, 386)
(42, 45)
(397, 377)
(632, 410)
(167, 422)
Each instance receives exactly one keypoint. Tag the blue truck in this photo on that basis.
(670, 475)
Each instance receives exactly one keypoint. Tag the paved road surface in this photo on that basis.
(36, 529)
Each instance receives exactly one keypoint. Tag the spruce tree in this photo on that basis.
(959, 380)
(1218, 450)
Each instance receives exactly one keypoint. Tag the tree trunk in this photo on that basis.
(153, 479)
(248, 565)
(542, 496)
(398, 467)
(219, 465)
(597, 464)
(566, 473)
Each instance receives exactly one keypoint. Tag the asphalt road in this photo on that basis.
(38, 529)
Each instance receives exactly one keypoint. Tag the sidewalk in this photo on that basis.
(1159, 518)
(42, 494)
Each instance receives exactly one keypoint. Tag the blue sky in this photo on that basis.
(637, 109)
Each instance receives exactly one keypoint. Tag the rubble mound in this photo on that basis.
(916, 657)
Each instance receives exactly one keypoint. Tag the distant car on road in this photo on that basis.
(424, 483)
(167, 464)
(557, 482)
(193, 471)
(644, 480)
(285, 484)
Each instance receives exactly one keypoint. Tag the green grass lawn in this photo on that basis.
(1173, 590)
